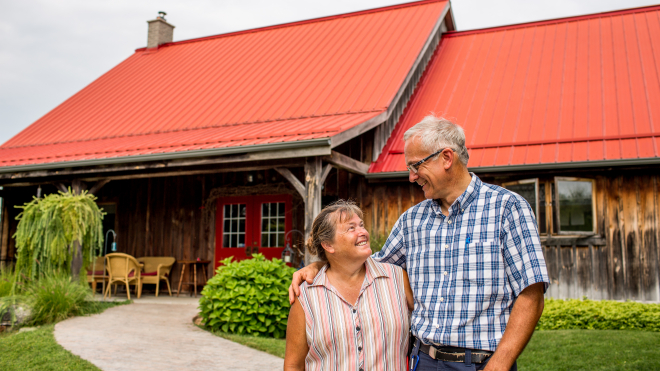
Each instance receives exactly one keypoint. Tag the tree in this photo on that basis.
(58, 232)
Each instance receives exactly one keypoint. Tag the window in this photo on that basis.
(529, 190)
(573, 214)
(575, 209)
(234, 225)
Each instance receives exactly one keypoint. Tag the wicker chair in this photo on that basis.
(96, 273)
(155, 270)
(125, 269)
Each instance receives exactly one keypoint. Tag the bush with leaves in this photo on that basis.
(599, 315)
(248, 297)
(51, 230)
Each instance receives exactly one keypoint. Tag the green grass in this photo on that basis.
(560, 350)
(272, 346)
(557, 350)
(38, 350)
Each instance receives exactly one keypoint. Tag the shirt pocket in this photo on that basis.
(479, 265)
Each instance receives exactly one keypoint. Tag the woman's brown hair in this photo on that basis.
(325, 225)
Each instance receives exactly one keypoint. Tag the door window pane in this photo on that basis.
(234, 226)
(272, 224)
(575, 205)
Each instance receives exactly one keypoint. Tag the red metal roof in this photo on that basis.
(292, 82)
(575, 90)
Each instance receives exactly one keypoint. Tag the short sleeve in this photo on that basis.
(522, 251)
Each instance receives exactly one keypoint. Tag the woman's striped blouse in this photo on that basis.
(372, 335)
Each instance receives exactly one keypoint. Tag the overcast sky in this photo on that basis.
(49, 49)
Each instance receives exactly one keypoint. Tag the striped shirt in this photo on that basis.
(467, 268)
(372, 335)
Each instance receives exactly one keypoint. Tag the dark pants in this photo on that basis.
(426, 363)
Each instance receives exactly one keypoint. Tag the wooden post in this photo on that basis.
(313, 173)
(4, 235)
(76, 259)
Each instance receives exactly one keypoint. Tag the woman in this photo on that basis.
(356, 314)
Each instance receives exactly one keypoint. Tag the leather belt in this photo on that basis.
(454, 354)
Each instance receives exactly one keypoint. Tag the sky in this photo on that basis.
(49, 50)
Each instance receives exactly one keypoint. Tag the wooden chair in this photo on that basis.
(96, 273)
(125, 269)
(155, 270)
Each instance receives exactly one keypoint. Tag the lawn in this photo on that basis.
(272, 346)
(554, 350)
(592, 350)
(38, 350)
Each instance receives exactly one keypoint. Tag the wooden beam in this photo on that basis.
(344, 162)
(61, 187)
(325, 173)
(169, 173)
(288, 175)
(169, 164)
(96, 187)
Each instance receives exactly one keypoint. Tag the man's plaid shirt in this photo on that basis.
(466, 269)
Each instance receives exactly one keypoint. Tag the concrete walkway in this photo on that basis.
(156, 334)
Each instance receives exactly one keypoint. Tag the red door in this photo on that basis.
(251, 224)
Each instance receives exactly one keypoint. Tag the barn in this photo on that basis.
(229, 145)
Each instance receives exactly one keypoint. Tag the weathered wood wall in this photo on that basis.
(622, 263)
(175, 216)
(167, 216)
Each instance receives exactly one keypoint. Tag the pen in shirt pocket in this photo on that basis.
(467, 239)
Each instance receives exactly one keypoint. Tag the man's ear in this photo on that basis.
(328, 247)
(447, 159)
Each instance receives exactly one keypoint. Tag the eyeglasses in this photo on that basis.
(413, 168)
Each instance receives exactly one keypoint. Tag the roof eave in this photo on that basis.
(555, 166)
(312, 143)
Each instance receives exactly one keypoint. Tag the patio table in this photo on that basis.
(195, 264)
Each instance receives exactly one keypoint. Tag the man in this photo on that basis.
(473, 255)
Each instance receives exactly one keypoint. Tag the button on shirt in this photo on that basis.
(467, 268)
(371, 334)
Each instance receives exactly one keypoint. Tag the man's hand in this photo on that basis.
(525, 314)
(306, 274)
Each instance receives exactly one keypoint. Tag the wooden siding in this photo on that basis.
(175, 216)
(168, 216)
(620, 263)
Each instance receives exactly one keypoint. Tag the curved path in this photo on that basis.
(156, 334)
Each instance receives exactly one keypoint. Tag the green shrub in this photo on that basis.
(377, 241)
(248, 297)
(7, 282)
(599, 315)
(55, 297)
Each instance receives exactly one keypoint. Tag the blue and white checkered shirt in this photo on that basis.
(466, 269)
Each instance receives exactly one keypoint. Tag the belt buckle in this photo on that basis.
(432, 351)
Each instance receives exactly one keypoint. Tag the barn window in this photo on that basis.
(529, 190)
(575, 207)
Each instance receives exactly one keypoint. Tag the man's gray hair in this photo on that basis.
(436, 133)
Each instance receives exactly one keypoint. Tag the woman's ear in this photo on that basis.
(328, 247)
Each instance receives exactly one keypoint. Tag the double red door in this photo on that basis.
(252, 224)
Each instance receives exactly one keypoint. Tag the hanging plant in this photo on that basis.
(54, 230)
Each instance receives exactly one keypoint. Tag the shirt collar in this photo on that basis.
(464, 200)
(374, 270)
